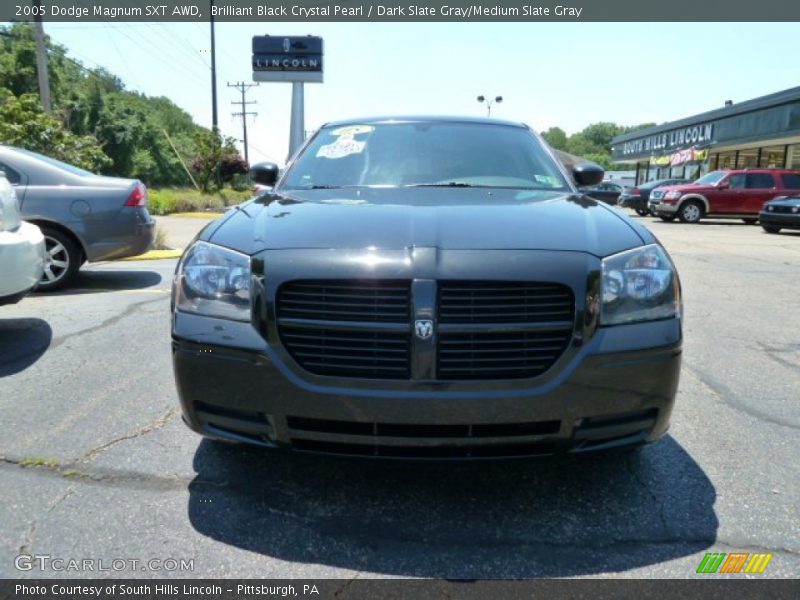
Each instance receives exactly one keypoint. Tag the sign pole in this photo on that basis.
(297, 128)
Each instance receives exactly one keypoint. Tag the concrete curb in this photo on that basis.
(196, 215)
(156, 255)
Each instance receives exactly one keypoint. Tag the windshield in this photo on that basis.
(711, 178)
(57, 163)
(425, 154)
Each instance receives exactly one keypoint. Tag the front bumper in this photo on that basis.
(617, 389)
(665, 209)
(782, 220)
(22, 255)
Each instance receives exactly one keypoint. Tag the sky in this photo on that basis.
(549, 74)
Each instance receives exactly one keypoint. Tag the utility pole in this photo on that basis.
(214, 116)
(243, 87)
(41, 60)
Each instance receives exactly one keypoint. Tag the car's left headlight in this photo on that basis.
(213, 281)
(639, 285)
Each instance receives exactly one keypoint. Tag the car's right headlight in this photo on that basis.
(213, 281)
(639, 285)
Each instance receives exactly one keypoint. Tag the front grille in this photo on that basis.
(502, 330)
(781, 209)
(657, 194)
(347, 328)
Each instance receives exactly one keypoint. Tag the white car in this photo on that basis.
(22, 250)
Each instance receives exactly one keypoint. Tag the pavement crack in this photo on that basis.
(27, 538)
(131, 309)
(155, 425)
(652, 494)
(346, 585)
(727, 397)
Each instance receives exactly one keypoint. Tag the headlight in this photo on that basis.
(213, 281)
(795, 209)
(770, 208)
(672, 195)
(639, 285)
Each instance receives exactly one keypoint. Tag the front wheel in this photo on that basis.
(690, 211)
(642, 212)
(750, 221)
(771, 229)
(62, 260)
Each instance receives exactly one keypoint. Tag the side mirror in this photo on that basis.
(265, 173)
(587, 174)
(723, 185)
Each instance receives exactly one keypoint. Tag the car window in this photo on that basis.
(760, 181)
(57, 163)
(424, 153)
(791, 181)
(13, 176)
(736, 181)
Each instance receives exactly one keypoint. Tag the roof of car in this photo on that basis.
(424, 118)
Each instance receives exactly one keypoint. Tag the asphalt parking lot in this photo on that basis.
(96, 464)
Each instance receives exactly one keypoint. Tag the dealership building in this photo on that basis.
(763, 132)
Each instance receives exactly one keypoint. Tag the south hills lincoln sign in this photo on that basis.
(677, 138)
(291, 58)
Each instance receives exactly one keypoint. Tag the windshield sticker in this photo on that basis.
(344, 146)
(352, 130)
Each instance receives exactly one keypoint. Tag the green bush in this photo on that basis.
(177, 200)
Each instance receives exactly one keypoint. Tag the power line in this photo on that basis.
(243, 87)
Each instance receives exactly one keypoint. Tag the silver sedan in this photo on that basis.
(83, 216)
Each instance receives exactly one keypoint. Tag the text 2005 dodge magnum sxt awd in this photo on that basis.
(427, 288)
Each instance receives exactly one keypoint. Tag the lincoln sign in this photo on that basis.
(292, 58)
(689, 136)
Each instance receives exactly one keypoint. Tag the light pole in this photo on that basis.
(489, 103)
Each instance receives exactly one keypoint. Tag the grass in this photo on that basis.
(180, 200)
(38, 461)
(160, 242)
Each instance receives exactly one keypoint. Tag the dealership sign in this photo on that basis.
(685, 136)
(289, 58)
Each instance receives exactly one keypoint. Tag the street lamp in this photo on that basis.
(489, 103)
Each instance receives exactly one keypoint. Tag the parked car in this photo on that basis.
(427, 288)
(781, 213)
(726, 194)
(606, 191)
(83, 216)
(22, 253)
(637, 197)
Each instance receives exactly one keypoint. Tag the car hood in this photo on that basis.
(445, 218)
(786, 201)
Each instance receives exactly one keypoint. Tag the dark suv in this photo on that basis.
(737, 194)
(427, 288)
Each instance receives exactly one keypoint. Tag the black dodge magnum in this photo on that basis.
(427, 288)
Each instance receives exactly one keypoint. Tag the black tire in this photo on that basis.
(771, 229)
(642, 212)
(691, 211)
(750, 221)
(667, 218)
(64, 258)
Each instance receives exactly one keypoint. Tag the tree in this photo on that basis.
(24, 123)
(556, 137)
(217, 160)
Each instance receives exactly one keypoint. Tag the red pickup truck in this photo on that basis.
(719, 194)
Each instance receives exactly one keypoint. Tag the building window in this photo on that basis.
(793, 156)
(772, 157)
(748, 159)
(726, 160)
